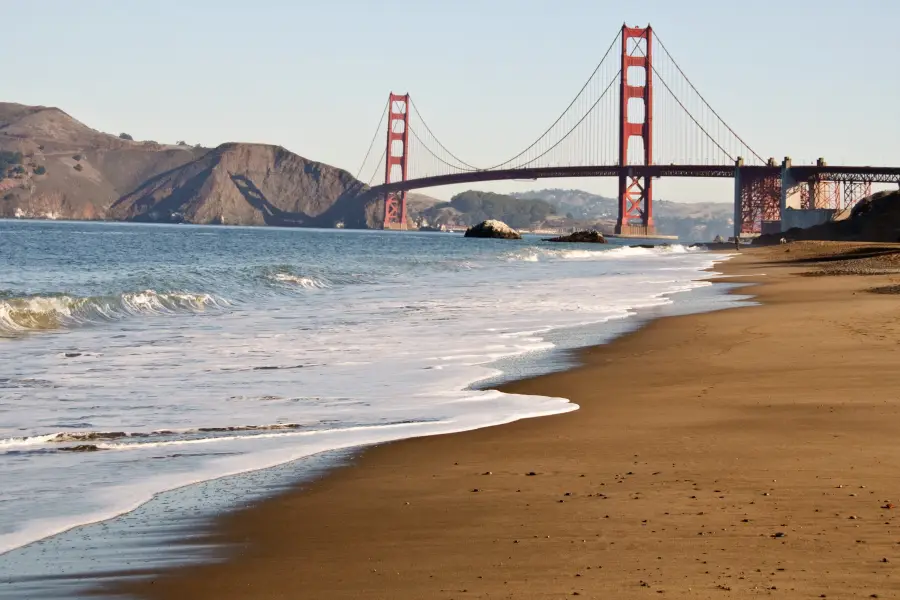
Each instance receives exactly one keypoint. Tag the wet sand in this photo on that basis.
(748, 452)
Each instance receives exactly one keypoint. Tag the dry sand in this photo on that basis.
(748, 452)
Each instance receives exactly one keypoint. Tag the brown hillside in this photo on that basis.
(70, 171)
(249, 184)
(66, 170)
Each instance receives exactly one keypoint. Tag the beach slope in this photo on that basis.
(746, 452)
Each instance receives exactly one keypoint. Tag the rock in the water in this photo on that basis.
(81, 448)
(493, 229)
(588, 237)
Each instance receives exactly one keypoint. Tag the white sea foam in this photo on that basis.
(120, 498)
(595, 252)
(168, 402)
(25, 442)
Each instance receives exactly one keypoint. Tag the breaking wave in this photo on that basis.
(47, 313)
(538, 254)
(120, 440)
(78, 437)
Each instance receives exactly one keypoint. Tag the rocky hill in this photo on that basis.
(246, 184)
(67, 170)
(53, 166)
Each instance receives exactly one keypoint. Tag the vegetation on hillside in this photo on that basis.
(695, 221)
(472, 207)
(9, 159)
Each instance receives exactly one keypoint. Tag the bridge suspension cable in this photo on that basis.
(417, 113)
(379, 167)
(564, 112)
(694, 119)
(682, 114)
(378, 130)
(568, 133)
(693, 87)
(686, 130)
(576, 135)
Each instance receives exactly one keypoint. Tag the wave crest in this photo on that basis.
(310, 283)
(87, 441)
(46, 313)
(539, 253)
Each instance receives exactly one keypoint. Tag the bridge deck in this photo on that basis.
(800, 172)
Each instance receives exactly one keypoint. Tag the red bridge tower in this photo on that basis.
(396, 160)
(636, 193)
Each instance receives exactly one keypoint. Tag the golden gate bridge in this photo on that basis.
(638, 117)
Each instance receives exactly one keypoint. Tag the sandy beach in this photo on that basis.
(747, 452)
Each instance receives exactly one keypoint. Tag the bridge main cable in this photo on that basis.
(372, 143)
(693, 87)
(468, 167)
(438, 141)
(563, 114)
(568, 133)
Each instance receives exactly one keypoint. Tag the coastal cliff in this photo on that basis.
(55, 167)
(247, 184)
(52, 166)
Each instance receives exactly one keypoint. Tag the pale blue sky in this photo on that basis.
(801, 78)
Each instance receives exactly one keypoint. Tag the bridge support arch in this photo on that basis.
(757, 198)
(635, 192)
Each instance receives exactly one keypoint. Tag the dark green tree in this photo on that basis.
(8, 159)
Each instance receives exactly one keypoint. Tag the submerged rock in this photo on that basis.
(493, 229)
(81, 448)
(587, 237)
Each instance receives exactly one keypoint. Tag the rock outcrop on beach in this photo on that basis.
(873, 219)
(582, 237)
(493, 229)
(52, 166)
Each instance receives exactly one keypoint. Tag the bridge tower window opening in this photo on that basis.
(636, 76)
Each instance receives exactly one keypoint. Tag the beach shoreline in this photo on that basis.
(626, 497)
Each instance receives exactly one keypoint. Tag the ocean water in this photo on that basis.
(138, 359)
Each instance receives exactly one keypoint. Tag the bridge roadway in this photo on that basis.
(798, 173)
